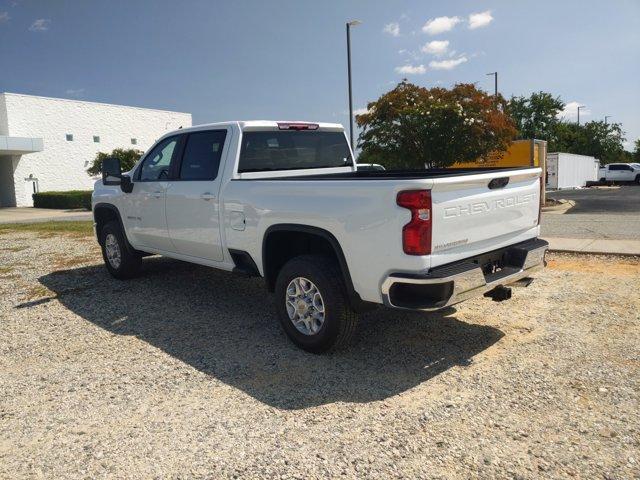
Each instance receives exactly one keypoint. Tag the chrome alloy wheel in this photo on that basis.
(305, 306)
(112, 250)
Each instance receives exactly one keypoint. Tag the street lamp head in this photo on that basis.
(354, 23)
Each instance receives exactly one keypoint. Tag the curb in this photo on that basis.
(594, 246)
(564, 206)
(597, 252)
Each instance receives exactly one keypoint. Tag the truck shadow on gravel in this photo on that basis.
(224, 326)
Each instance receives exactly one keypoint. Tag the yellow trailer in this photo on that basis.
(521, 153)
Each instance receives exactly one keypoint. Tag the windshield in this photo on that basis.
(293, 150)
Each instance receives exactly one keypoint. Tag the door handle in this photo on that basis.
(207, 196)
(157, 194)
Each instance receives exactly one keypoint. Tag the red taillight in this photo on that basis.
(298, 126)
(416, 235)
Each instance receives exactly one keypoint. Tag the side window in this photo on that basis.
(156, 164)
(202, 152)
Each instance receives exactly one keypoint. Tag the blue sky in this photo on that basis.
(282, 59)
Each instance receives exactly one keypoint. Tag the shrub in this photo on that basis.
(127, 157)
(70, 199)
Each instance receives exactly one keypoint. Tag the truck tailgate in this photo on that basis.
(478, 213)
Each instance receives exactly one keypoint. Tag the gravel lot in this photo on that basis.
(184, 373)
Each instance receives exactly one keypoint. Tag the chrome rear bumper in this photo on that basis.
(454, 283)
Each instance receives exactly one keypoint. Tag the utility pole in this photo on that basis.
(495, 90)
(350, 24)
(606, 117)
(579, 107)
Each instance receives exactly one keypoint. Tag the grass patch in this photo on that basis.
(39, 291)
(68, 262)
(49, 229)
(4, 270)
(13, 249)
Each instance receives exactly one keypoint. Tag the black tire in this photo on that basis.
(339, 319)
(130, 262)
(638, 179)
(602, 180)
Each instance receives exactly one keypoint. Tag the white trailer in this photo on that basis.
(567, 170)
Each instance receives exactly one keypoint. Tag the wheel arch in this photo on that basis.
(104, 213)
(306, 239)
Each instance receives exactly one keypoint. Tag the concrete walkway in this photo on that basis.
(594, 245)
(29, 215)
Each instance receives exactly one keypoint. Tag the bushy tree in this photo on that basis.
(127, 157)
(598, 139)
(535, 116)
(417, 127)
(636, 152)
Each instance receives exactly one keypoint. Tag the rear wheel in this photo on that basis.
(638, 179)
(312, 304)
(119, 260)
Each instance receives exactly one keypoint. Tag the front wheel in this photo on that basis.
(312, 304)
(119, 260)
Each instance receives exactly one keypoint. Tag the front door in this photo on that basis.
(193, 206)
(145, 209)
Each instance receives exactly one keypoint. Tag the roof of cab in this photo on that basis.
(255, 125)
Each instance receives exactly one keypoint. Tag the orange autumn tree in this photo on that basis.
(417, 127)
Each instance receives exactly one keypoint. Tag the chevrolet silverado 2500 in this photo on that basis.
(285, 201)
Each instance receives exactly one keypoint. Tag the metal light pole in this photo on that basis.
(606, 117)
(495, 74)
(579, 107)
(350, 24)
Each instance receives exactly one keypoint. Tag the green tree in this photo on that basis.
(597, 139)
(636, 152)
(535, 116)
(417, 127)
(127, 157)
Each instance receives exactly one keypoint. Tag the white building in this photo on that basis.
(47, 144)
(568, 170)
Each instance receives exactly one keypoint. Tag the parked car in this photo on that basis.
(286, 202)
(620, 172)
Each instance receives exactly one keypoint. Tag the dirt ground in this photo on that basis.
(185, 373)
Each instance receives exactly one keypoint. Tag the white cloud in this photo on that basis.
(392, 29)
(437, 47)
(4, 17)
(447, 64)
(411, 69)
(75, 92)
(440, 25)
(479, 20)
(40, 25)
(570, 111)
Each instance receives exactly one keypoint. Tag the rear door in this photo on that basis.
(192, 202)
(478, 213)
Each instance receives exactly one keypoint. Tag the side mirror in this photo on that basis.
(126, 185)
(111, 171)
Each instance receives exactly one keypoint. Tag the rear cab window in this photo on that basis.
(202, 153)
(286, 150)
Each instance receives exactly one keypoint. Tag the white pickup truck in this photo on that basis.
(285, 201)
(620, 172)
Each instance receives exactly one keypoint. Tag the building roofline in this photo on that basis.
(92, 103)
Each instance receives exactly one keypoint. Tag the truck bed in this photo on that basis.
(418, 174)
